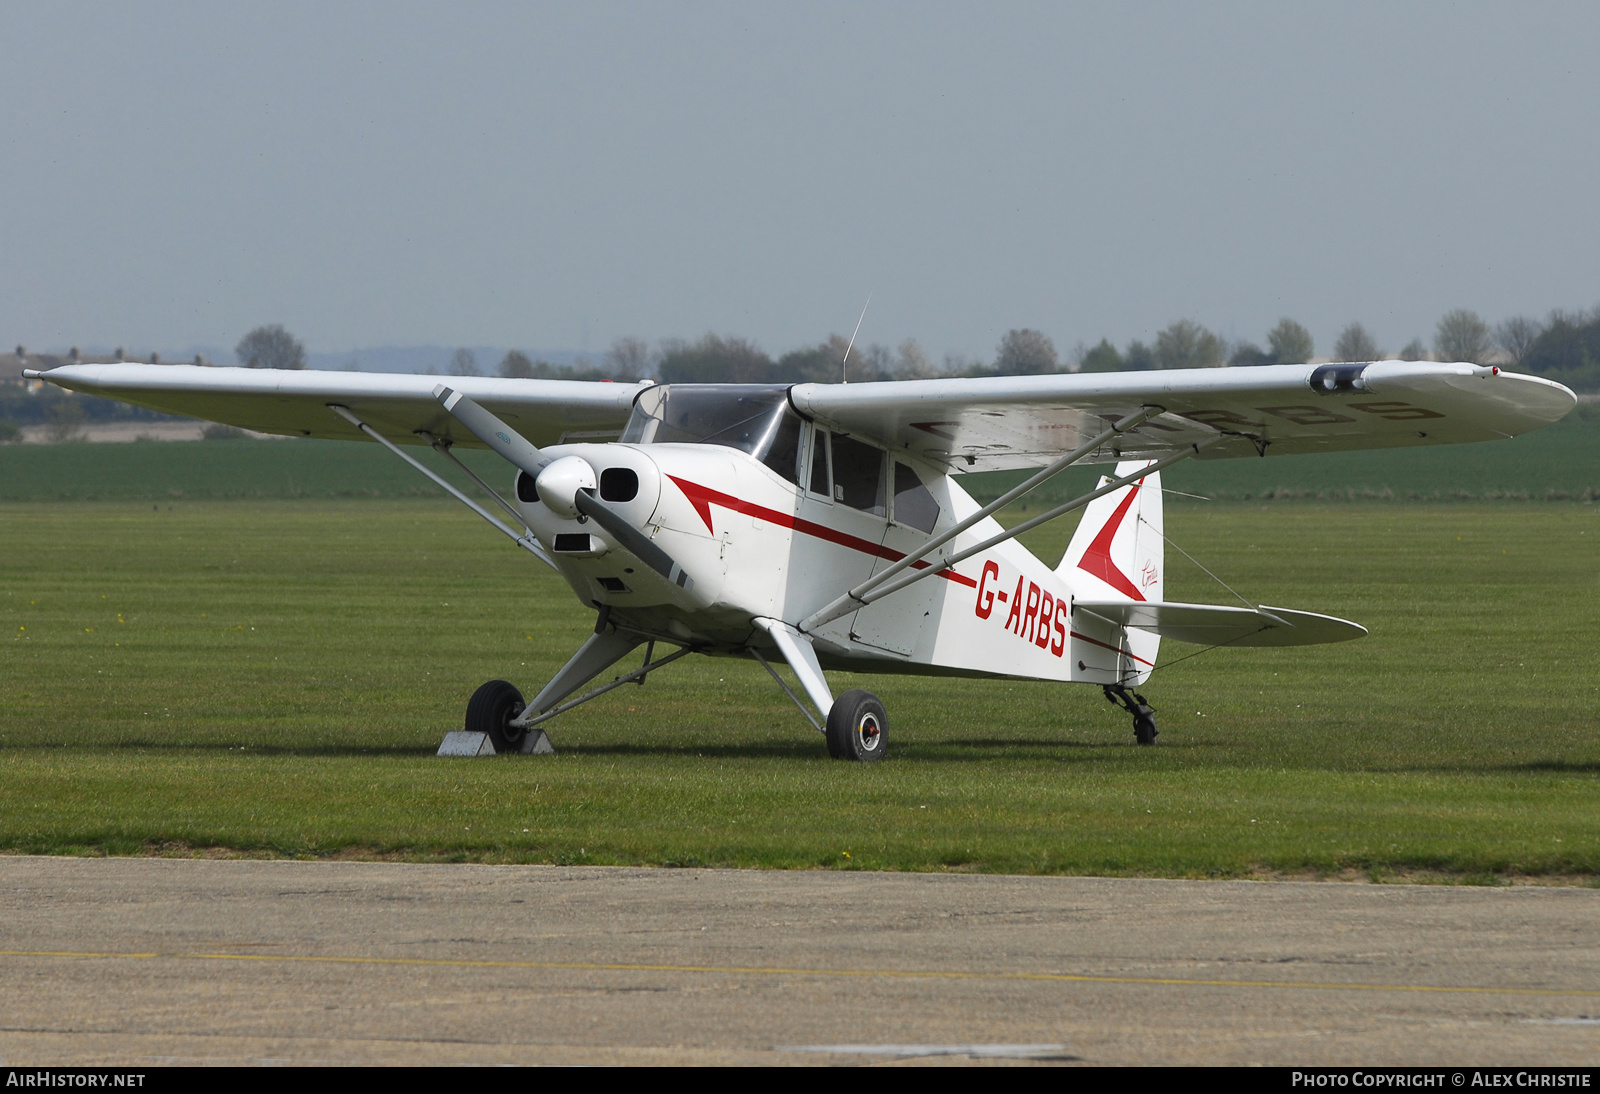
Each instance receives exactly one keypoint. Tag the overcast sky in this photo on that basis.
(561, 175)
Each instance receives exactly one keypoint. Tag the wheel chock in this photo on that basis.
(535, 743)
(459, 742)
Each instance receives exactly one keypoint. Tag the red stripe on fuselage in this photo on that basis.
(703, 498)
(1113, 649)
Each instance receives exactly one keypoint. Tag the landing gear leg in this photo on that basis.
(1144, 723)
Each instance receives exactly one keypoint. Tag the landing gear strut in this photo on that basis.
(1144, 724)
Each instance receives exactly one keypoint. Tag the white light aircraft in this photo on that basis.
(825, 525)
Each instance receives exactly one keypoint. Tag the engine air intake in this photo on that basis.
(619, 484)
(527, 491)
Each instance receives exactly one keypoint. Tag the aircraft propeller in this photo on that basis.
(554, 480)
(484, 425)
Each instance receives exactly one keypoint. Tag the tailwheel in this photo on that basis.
(858, 727)
(1144, 723)
(491, 709)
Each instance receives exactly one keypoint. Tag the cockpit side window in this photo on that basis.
(783, 449)
(913, 503)
(821, 480)
(858, 475)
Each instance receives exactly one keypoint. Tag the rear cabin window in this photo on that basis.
(858, 475)
(913, 503)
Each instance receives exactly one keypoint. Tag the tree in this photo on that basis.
(463, 363)
(1290, 343)
(1517, 336)
(630, 359)
(267, 347)
(715, 360)
(1414, 351)
(1186, 344)
(515, 365)
(1103, 358)
(818, 364)
(1568, 350)
(911, 362)
(957, 363)
(1026, 352)
(1138, 357)
(1462, 336)
(1355, 344)
(65, 416)
(1249, 354)
(873, 362)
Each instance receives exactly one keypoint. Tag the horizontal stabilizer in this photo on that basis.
(1217, 625)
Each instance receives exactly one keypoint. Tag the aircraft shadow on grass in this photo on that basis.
(803, 749)
(998, 748)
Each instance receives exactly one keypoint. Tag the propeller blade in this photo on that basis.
(482, 424)
(630, 539)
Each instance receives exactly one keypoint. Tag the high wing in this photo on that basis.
(981, 423)
(295, 403)
(996, 423)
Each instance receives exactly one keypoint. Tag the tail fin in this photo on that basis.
(1118, 554)
(1118, 551)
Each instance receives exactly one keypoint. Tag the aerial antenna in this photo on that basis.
(844, 371)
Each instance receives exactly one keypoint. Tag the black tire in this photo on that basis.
(490, 711)
(1144, 729)
(858, 727)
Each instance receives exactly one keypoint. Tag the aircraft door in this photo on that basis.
(843, 510)
(900, 622)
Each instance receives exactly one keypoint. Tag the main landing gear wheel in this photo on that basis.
(858, 727)
(1144, 723)
(490, 711)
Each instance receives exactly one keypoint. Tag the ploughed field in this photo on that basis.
(273, 676)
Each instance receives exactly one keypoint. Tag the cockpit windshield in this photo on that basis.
(752, 418)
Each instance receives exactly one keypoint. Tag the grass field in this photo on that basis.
(273, 677)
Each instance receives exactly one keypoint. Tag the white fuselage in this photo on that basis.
(757, 545)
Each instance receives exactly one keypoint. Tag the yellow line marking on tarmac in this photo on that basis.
(758, 970)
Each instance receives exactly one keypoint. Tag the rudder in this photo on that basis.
(1118, 553)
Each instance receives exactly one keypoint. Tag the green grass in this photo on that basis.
(273, 677)
(165, 471)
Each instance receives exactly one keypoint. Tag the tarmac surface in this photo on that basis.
(140, 962)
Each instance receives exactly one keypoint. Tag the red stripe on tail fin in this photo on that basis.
(1097, 559)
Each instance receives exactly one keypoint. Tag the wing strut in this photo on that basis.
(857, 596)
(850, 601)
(525, 540)
(442, 446)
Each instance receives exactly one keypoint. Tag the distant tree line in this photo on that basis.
(1564, 346)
